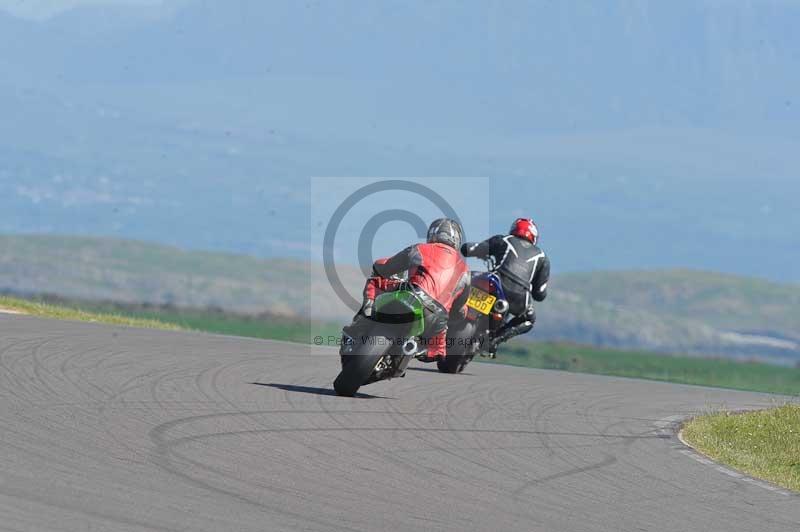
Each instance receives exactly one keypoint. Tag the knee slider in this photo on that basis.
(530, 315)
(525, 327)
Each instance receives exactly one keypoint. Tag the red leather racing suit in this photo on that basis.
(442, 277)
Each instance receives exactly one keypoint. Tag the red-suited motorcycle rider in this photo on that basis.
(524, 270)
(436, 272)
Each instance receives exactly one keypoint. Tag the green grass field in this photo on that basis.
(763, 444)
(682, 369)
(560, 356)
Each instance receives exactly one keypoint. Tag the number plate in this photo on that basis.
(480, 300)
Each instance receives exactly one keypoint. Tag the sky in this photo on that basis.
(639, 134)
(42, 9)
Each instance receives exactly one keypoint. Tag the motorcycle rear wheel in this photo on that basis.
(460, 336)
(452, 364)
(358, 365)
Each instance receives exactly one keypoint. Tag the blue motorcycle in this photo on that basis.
(487, 308)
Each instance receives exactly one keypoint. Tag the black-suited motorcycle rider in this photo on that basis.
(524, 270)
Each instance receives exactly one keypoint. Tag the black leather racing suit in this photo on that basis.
(524, 270)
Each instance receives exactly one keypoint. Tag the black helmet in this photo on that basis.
(446, 231)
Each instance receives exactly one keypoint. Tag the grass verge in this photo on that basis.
(266, 326)
(764, 444)
(47, 310)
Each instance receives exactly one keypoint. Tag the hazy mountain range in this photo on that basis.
(640, 134)
(677, 311)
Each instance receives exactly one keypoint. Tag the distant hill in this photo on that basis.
(128, 271)
(673, 310)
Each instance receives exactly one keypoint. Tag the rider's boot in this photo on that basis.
(437, 348)
(505, 334)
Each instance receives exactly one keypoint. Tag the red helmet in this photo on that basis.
(525, 228)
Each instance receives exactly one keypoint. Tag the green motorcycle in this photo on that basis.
(380, 347)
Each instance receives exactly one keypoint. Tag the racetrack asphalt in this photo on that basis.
(111, 428)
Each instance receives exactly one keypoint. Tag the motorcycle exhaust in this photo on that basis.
(410, 348)
(501, 306)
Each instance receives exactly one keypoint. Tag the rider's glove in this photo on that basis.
(368, 309)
